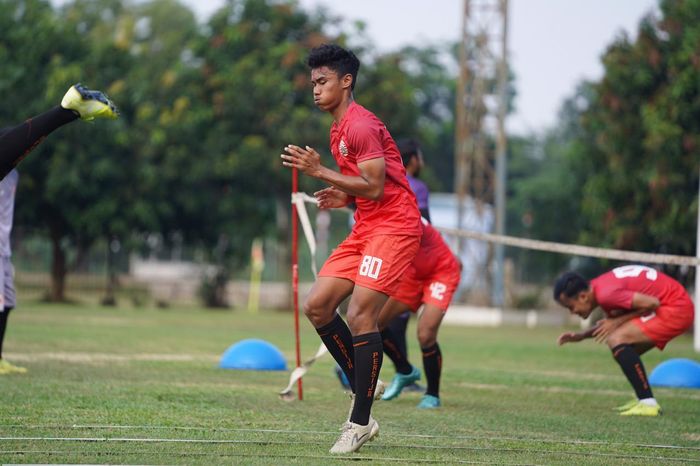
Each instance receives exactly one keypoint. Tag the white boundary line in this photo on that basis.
(264, 455)
(411, 447)
(296, 432)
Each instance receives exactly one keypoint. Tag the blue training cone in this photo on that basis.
(680, 373)
(253, 354)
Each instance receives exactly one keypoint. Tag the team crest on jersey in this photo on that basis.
(343, 148)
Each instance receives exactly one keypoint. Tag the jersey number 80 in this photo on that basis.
(370, 267)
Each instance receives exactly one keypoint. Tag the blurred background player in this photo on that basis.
(8, 188)
(431, 280)
(412, 158)
(17, 142)
(644, 308)
(381, 245)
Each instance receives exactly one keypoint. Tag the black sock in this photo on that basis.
(368, 363)
(338, 339)
(632, 366)
(16, 142)
(398, 327)
(393, 350)
(432, 364)
(3, 325)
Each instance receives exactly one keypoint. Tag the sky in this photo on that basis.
(552, 45)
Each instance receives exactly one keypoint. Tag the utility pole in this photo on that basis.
(696, 332)
(480, 139)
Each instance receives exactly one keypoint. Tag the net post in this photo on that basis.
(295, 277)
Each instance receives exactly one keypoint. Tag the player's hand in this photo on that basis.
(604, 328)
(331, 198)
(306, 160)
(568, 337)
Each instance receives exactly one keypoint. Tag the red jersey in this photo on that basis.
(433, 276)
(614, 290)
(361, 136)
(434, 255)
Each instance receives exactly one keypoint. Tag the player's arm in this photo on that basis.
(572, 337)
(645, 303)
(369, 184)
(642, 304)
(332, 198)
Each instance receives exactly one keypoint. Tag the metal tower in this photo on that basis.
(480, 140)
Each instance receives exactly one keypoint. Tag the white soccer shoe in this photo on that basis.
(354, 436)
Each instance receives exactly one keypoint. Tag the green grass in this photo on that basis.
(141, 387)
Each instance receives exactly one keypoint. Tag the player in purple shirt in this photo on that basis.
(412, 157)
(413, 162)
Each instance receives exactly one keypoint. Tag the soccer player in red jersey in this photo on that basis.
(382, 243)
(431, 280)
(644, 308)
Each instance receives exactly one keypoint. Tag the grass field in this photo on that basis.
(142, 387)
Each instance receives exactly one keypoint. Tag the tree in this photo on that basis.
(59, 183)
(641, 137)
(622, 165)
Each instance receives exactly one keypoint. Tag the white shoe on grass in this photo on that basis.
(354, 436)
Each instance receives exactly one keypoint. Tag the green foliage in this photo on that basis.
(640, 134)
(621, 169)
(413, 91)
(205, 113)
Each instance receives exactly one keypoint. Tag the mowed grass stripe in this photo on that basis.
(332, 433)
(510, 396)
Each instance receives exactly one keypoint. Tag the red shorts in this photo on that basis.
(436, 289)
(667, 322)
(376, 262)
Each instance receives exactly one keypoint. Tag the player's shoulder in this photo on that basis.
(606, 284)
(606, 277)
(365, 125)
(357, 115)
(430, 234)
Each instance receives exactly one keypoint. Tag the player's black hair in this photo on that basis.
(409, 148)
(570, 284)
(336, 58)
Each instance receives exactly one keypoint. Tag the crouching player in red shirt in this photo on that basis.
(644, 308)
(381, 245)
(431, 280)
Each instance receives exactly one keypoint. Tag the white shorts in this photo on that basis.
(7, 284)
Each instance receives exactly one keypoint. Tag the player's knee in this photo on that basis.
(382, 323)
(427, 337)
(618, 338)
(314, 309)
(361, 322)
